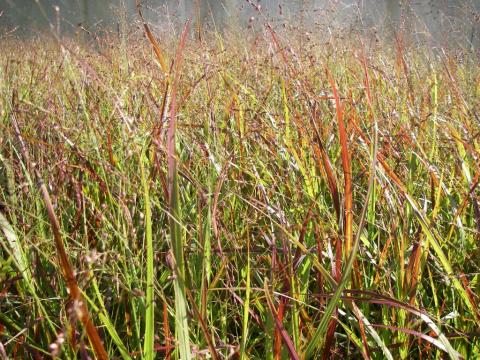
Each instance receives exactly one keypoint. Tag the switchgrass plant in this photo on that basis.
(253, 196)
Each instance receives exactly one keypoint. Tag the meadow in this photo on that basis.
(257, 195)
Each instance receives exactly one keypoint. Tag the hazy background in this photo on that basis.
(433, 21)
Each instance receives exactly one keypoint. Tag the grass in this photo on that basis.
(270, 195)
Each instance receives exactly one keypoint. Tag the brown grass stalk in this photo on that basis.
(67, 270)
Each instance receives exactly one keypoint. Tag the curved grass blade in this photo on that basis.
(318, 336)
(69, 275)
(285, 337)
(107, 322)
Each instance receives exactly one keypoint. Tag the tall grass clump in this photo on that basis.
(266, 195)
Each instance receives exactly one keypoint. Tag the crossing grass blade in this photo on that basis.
(284, 334)
(317, 338)
(69, 275)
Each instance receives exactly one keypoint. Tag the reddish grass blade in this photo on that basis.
(325, 163)
(173, 108)
(277, 347)
(203, 324)
(330, 337)
(418, 334)
(382, 258)
(346, 168)
(411, 275)
(361, 326)
(69, 275)
(166, 331)
(153, 41)
(284, 334)
(348, 215)
(470, 293)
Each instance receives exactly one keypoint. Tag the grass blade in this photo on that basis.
(176, 236)
(156, 47)
(285, 337)
(69, 275)
(148, 345)
(319, 334)
(246, 307)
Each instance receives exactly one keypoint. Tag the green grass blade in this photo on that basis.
(148, 348)
(246, 306)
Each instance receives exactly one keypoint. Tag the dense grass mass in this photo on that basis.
(257, 197)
